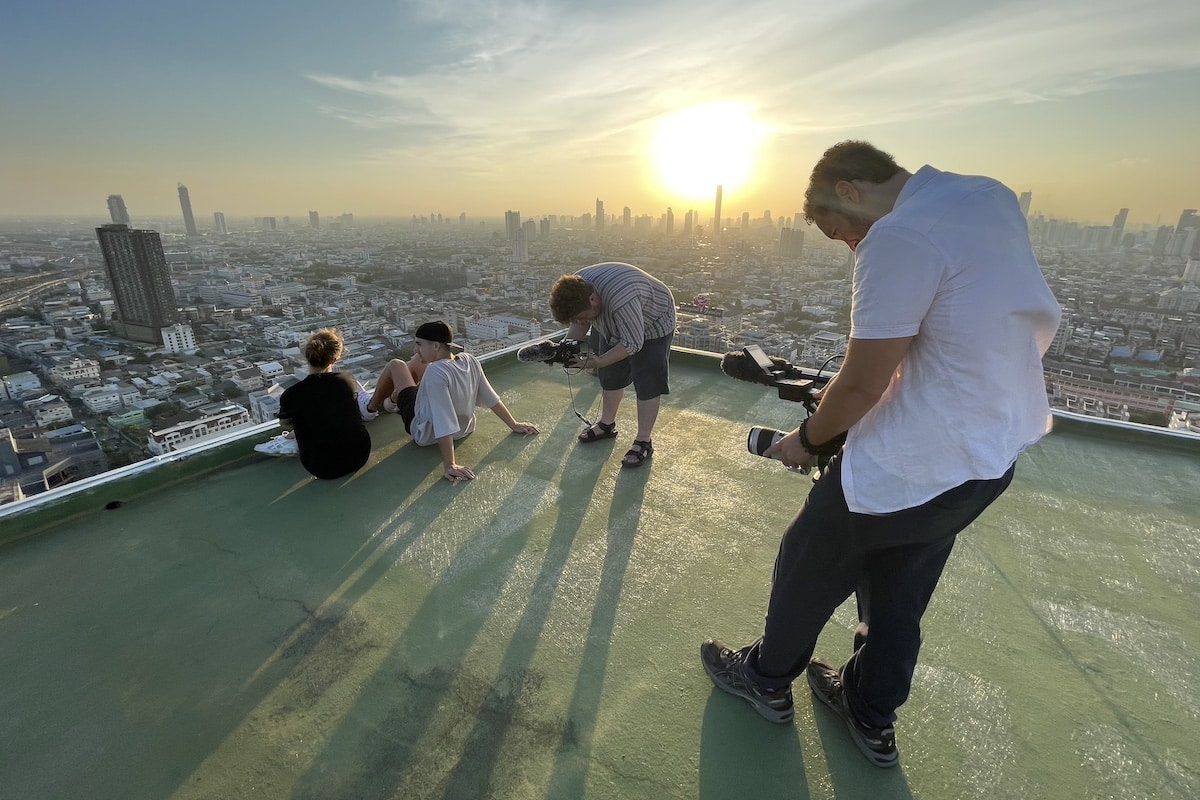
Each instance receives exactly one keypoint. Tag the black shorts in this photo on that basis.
(647, 369)
(406, 406)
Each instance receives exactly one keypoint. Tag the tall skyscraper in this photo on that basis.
(1118, 227)
(1024, 201)
(626, 217)
(512, 224)
(116, 209)
(219, 223)
(670, 222)
(520, 246)
(717, 216)
(141, 282)
(599, 214)
(185, 203)
(314, 219)
(1188, 221)
(791, 242)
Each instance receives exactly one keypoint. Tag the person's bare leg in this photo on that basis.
(647, 414)
(610, 400)
(395, 377)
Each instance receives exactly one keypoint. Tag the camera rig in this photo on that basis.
(550, 352)
(794, 384)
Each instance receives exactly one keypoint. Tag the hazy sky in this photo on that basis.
(396, 108)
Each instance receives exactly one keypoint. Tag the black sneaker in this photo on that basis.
(877, 744)
(727, 670)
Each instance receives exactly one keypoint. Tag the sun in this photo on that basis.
(704, 146)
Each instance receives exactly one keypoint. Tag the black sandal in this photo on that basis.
(640, 451)
(607, 431)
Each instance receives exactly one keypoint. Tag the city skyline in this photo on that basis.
(399, 109)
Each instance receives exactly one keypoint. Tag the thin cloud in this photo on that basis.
(567, 81)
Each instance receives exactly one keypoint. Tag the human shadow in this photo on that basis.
(573, 759)
(852, 776)
(373, 751)
(743, 755)
(506, 708)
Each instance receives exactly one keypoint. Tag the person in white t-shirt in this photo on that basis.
(940, 390)
(436, 394)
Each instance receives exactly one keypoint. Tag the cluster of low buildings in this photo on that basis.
(75, 397)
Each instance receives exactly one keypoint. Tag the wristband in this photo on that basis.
(830, 448)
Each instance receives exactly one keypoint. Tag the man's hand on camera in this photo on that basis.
(790, 451)
(582, 361)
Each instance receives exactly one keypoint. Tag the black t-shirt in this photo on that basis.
(323, 410)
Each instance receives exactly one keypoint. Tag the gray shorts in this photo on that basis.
(647, 369)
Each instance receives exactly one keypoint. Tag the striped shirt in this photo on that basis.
(634, 305)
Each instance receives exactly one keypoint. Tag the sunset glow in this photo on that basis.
(703, 146)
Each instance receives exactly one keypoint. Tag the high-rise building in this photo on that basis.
(520, 246)
(791, 242)
(1118, 227)
(1188, 221)
(219, 223)
(599, 214)
(1161, 239)
(626, 216)
(512, 224)
(116, 209)
(717, 216)
(670, 222)
(314, 219)
(1024, 201)
(185, 203)
(141, 282)
(688, 222)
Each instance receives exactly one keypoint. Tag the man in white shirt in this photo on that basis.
(940, 390)
(436, 395)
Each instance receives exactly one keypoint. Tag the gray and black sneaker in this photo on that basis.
(727, 669)
(877, 744)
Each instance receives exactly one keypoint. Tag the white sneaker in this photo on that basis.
(364, 397)
(389, 406)
(281, 445)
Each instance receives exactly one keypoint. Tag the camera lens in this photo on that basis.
(759, 439)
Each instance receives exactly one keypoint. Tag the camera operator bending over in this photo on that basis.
(940, 390)
(632, 318)
(436, 395)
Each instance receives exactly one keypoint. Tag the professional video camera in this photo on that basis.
(548, 352)
(793, 384)
(564, 352)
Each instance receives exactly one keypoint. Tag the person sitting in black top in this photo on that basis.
(326, 411)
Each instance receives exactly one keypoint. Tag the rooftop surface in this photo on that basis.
(231, 628)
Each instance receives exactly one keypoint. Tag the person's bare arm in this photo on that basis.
(451, 470)
(865, 374)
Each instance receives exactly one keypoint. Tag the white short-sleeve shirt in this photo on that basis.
(450, 391)
(952, 266)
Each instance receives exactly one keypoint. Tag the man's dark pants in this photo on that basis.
(892, 562)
